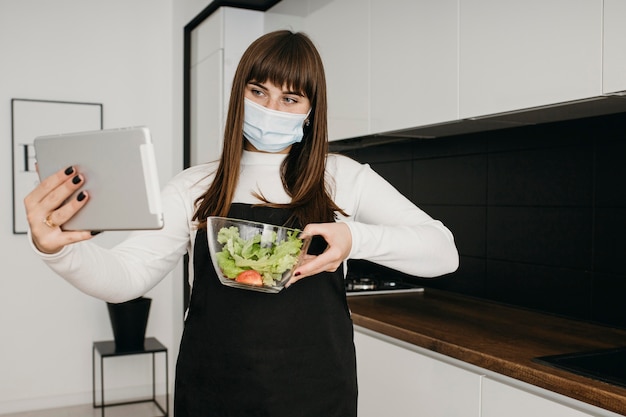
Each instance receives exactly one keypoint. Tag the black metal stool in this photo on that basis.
(106, 349)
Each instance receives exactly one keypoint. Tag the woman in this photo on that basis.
(245, 353)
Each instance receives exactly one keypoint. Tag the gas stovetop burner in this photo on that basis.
(361, 284)
(372, 286)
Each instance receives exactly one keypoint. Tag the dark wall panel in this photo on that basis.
(560, 176)
(557, 236)
(458, 180)
(538, 212)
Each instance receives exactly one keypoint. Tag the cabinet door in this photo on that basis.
(207, 109)
(414, 63)
(397, 382)
(206, 89)
(340, 30)
(207, 37)
(217, 46)
(519, 54)
(614, 55)
(499, 400)
(241, 28)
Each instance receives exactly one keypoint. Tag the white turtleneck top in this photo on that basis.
(386, 228)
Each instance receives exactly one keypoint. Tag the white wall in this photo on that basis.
(126, 55)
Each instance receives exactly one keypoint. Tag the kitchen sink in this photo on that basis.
(607, 365)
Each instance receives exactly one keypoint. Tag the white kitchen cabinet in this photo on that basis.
(217, 45)
(397, 382)
(206, 95)
(207, 109)
(398, 379)
(389, 64)
(393, 65)
(414, 63)
(520, 54)
(499, 399)
(614, 53)
(340, 31)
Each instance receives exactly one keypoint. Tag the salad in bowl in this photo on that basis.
(252, 255)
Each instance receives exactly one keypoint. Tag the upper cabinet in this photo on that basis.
(389, 64)
(413, 63)
(206, 90)
(340, 31)
(520, 54)
(395, 65)
(216, 48)
(614, 56)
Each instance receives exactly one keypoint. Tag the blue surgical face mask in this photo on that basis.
(271, 130)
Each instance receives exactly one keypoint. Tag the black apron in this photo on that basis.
(247, 353)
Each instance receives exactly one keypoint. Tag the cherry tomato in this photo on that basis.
(250, 277)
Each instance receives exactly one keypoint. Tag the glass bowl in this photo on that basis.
(254, 256)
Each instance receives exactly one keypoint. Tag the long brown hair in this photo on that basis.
(287, 59)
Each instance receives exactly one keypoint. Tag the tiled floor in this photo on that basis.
(87, 410)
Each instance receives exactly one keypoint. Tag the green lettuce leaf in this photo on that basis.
(261, 253)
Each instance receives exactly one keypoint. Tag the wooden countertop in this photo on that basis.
(496, 337)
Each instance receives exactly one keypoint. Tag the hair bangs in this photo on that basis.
(289, 65)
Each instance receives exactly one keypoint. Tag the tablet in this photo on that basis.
(120, 174)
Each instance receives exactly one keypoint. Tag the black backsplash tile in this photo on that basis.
(609, 249)
(458, 180)
(555, 290)
(538, 212)
(557, 236)
(468, 224)
(608, 299)
(611, 172)
(468, 279)
(549, 177)
(398, 173)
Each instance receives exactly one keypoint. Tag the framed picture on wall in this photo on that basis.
(32, 118)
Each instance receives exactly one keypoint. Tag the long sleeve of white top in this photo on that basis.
(389, 229)
(386, 228)
(138, 263)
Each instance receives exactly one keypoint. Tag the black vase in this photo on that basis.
(129, 321)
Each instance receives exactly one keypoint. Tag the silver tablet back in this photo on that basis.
(120, 176)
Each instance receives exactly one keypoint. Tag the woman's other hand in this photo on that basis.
(47, 210)
(339, 240)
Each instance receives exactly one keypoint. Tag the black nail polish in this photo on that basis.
(81, 196)
(69, 170)
(76, 179)
(95, 232)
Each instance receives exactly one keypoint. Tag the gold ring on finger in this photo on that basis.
(48, 222)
